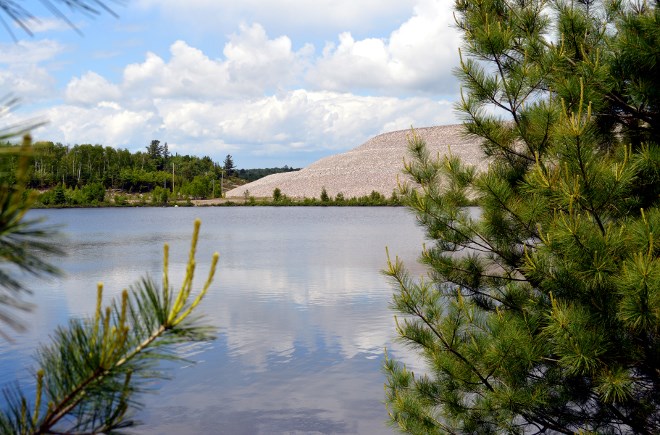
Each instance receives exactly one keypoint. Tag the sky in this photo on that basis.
(271, 82)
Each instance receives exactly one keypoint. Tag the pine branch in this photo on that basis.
(91, 370)
(24, 18)
(23, 242)
(393, 271)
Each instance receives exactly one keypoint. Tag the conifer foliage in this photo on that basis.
(23, 241)
(24, 17)
(541, 310)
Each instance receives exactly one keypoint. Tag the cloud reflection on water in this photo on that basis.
(299, 302)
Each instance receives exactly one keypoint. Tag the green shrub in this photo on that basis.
(93, 193)
(160, 196)
(59, 196)
(324, 195)
(277, 194)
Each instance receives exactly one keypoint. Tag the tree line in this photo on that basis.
(81, 174)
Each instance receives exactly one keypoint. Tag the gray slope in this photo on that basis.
(373, 165)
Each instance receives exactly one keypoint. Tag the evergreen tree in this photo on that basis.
(155, 153)
(59, 195)
(229, 164)
(155, 149)
(166, 155)
(277, 194)
(541, 312)
(324, 195)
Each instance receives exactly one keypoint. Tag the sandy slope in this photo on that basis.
(373, 165)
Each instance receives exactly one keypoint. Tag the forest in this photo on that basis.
(94, 174)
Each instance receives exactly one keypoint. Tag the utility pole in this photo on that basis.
(172, 177)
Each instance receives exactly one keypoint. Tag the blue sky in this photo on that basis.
(271, 82)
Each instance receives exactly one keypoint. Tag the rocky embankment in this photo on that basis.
(371, 166)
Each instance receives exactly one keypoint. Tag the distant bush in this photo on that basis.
(394, 199)
(160, 196)
(93, 193)
(120, 200)
(59, 196)
(324, 195)
(376, 196)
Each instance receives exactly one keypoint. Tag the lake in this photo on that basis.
(299, 303)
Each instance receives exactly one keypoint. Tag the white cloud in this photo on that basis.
(91, 88)
(22, 70)
(253, 64)
(105, 123)
(418, 56)
(299, 120)
(413, 55)
(29, 52)
(258, 62)
(139, 76)
(295, 121)
(28, 82)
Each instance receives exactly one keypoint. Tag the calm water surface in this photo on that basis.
(299, 302)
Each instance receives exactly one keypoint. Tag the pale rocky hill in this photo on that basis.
(373, 165)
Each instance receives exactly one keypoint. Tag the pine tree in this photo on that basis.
(277, 194)
(166, 154)
(324, 195)
(228, 165)
(541, 312)
(155, 149)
